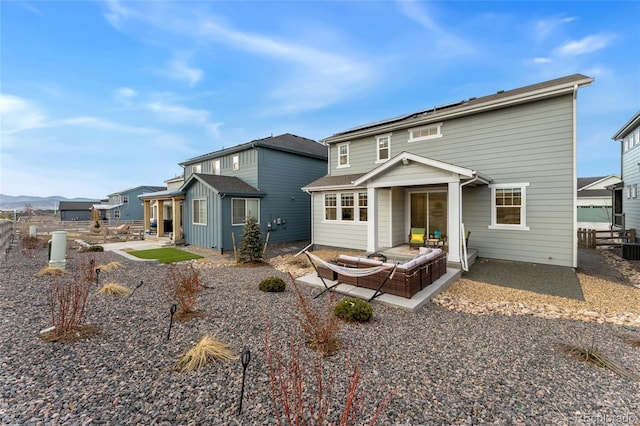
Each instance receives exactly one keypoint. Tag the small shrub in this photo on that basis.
(183, 285)
(95, 248)
(208, 350)
(68, 303)
(353, 310)
(272, 284)
(252, 245)
(30, 243)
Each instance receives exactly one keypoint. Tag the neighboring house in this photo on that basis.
(595, 201)
(75, 210)
(165, 207)
(626, 202)
(261, 178)
(125, 205)
(503, 165)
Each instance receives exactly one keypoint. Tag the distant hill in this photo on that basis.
(19, 202)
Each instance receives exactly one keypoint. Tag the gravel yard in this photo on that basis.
(441, 366)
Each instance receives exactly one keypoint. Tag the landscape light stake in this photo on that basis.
(134, 290)
(173, 310)
(246, 357)
(97, 275)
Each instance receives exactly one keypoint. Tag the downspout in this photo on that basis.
(463, 242)
(575, 189)
(312, 224)
(219, 225)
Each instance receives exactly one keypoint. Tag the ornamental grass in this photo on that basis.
(207, 351)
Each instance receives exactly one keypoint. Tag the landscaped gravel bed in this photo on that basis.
(441, 366)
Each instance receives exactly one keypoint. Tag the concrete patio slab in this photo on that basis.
(417, 302)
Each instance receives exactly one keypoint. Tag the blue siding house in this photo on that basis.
(262, 178)
(125, 205)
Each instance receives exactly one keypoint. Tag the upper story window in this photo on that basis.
(196, 168)
(383, 148)
(631, 140)
(215, 167)
(200, 211)
(343, 155)
(508, 206)
(125, 199)
(423, 133)
(236, 162)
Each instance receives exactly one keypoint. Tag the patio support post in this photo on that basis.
(454, 219)
(147, 215)
(176, 219)
(372, 220)
(160, 227)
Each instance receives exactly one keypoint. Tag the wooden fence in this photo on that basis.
(592, 238)
(85, 229)
(6, 236)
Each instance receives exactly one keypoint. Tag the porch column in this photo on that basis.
(160, 227)
(454, 219)
(147, 215)
(177, 218)
(372, 220)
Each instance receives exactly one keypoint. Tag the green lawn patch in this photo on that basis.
(165, 255)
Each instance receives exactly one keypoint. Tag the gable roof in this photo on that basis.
(149, 187)
(584, 184)
(469, 106)
(227, 185)
(286, 142)
(76, 205)
(628, 127)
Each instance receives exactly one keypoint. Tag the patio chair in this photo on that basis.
(417, 237)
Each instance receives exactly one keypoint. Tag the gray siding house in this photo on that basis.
(261, 178)
(75, 210)
(595, 201)
(501, 166)
(626, 201)
(125, 205)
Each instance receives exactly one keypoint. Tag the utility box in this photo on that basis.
(58, 250)
(32, 231)
(631, 251)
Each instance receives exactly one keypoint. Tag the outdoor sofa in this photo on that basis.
(407, 279)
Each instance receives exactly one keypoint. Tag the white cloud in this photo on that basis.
(345, 74)
(541, 60)
(184, 115)
(180, 70)
(447, 43)
(125, 94)
(545, 28)
(585, 45)
(19, 115)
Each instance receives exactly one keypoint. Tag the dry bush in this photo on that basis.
(593, 355)
(302, 393)
(631, 340)
(109, 267)
(68, 302)
(208, 350)
(321, 328)
(114, 289)
(51, 271)
(88, 267)
(183, 285)
(31, 243)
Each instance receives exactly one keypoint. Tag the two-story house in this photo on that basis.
(626, 203)
(124, 205)
(502, 166)
(262, 178)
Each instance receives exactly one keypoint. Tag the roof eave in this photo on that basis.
(626, 129)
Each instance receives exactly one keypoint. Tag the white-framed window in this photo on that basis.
(330, 207)
(424, 133)
(632, 191)
(125, 199)
(508, 206)
(116, 214)
(363, 204)
(383, 148)
(199, 211)
(215, 167)
(343, 155)
(346, 206)
(196, 168)
(236, 162)
(243, 208)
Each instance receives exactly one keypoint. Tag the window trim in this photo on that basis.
(523, 206)
(338, 207)
(193, 211)
(388, 149)
(235, 162)
(438, 134)
(347, 155)
(245, 210)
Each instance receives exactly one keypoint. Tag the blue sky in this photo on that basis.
(97, 97)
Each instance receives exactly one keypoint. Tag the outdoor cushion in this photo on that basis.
(346, 258)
